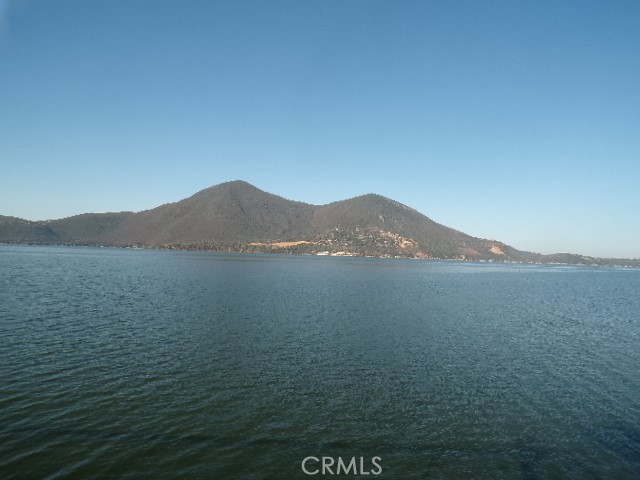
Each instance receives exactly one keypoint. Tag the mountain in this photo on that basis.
(237, 216)
(17, 230)
(233, 212)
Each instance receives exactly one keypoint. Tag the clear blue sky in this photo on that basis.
(518, 121)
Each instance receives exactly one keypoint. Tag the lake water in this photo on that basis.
(152, 364)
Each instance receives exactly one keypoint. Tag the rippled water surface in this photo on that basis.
(150, 364)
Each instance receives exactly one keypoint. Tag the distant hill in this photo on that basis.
(237, 216)
(17, 230)
(233, 212)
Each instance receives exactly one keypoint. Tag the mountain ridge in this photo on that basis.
(237, 216)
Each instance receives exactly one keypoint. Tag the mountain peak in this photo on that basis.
(233, 185)
(371, 196)
(237, 184)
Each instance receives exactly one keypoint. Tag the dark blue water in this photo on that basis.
(150, 364)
